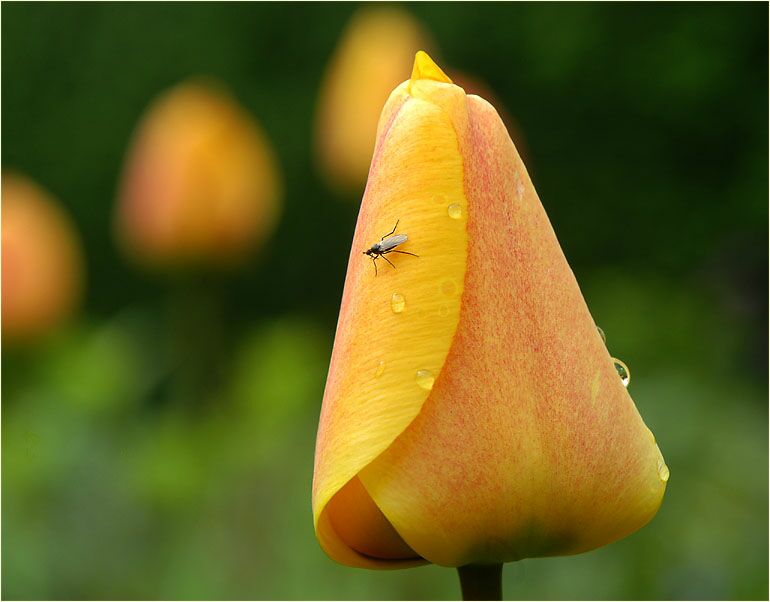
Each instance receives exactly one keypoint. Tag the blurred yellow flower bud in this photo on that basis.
(42, 261)
(201, 183)
(472, 413)
(376, 50)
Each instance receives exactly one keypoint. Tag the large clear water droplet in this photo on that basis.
(623, 372)
(455, 211)
(663, 471)
(380, 369)
(601, 334)
(397, 303)
(425, 379)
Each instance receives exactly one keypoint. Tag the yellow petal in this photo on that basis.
(425, 68)
(373, 390)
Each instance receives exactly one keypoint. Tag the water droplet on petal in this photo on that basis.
(397, 303)
(663, 471)
(623, 371)
(449, 288)
(443, 311)
(380, 369)
(601, 334)
(455, 211)
(425, 379)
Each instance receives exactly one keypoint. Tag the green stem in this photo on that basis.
(481, 581)
(196, 337)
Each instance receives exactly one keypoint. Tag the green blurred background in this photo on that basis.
(127, 472)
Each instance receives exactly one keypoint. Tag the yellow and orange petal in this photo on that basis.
(42, 261)
(527, 443)
(472, 84)
(201, 183)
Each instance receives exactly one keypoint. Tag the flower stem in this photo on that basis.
(481, 581)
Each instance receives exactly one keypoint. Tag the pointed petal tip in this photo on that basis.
(426, 68)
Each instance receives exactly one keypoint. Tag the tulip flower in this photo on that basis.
(472, 414)
(42, 261)
(201, 184)
(377, 47)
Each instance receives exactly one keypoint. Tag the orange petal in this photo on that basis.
(362, 526)
(476, 86)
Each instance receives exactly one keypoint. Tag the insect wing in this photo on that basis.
(391, 242)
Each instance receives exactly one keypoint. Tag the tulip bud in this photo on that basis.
(472, 413)
(42, 261)
(201, 184)
(375, 51)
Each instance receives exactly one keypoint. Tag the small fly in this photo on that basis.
(387, 244)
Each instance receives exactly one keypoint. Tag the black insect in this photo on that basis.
(387, 244)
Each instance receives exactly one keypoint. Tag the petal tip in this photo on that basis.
(426, 68)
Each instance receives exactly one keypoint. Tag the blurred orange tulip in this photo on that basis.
(377, 48)
(42, 261)
(472, 414)
(201, 184)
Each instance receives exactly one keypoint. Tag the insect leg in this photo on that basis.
(392, 231)
(388, 260)
(403, 252)
(374, 263)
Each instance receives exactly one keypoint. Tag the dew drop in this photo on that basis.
(623, 372)
(425, 379)
(455, 211)
(397, 303)
(449, 288)
(663, 471)
(380, 369)
(601, 334)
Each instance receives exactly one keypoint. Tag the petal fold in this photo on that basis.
(396, 324)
